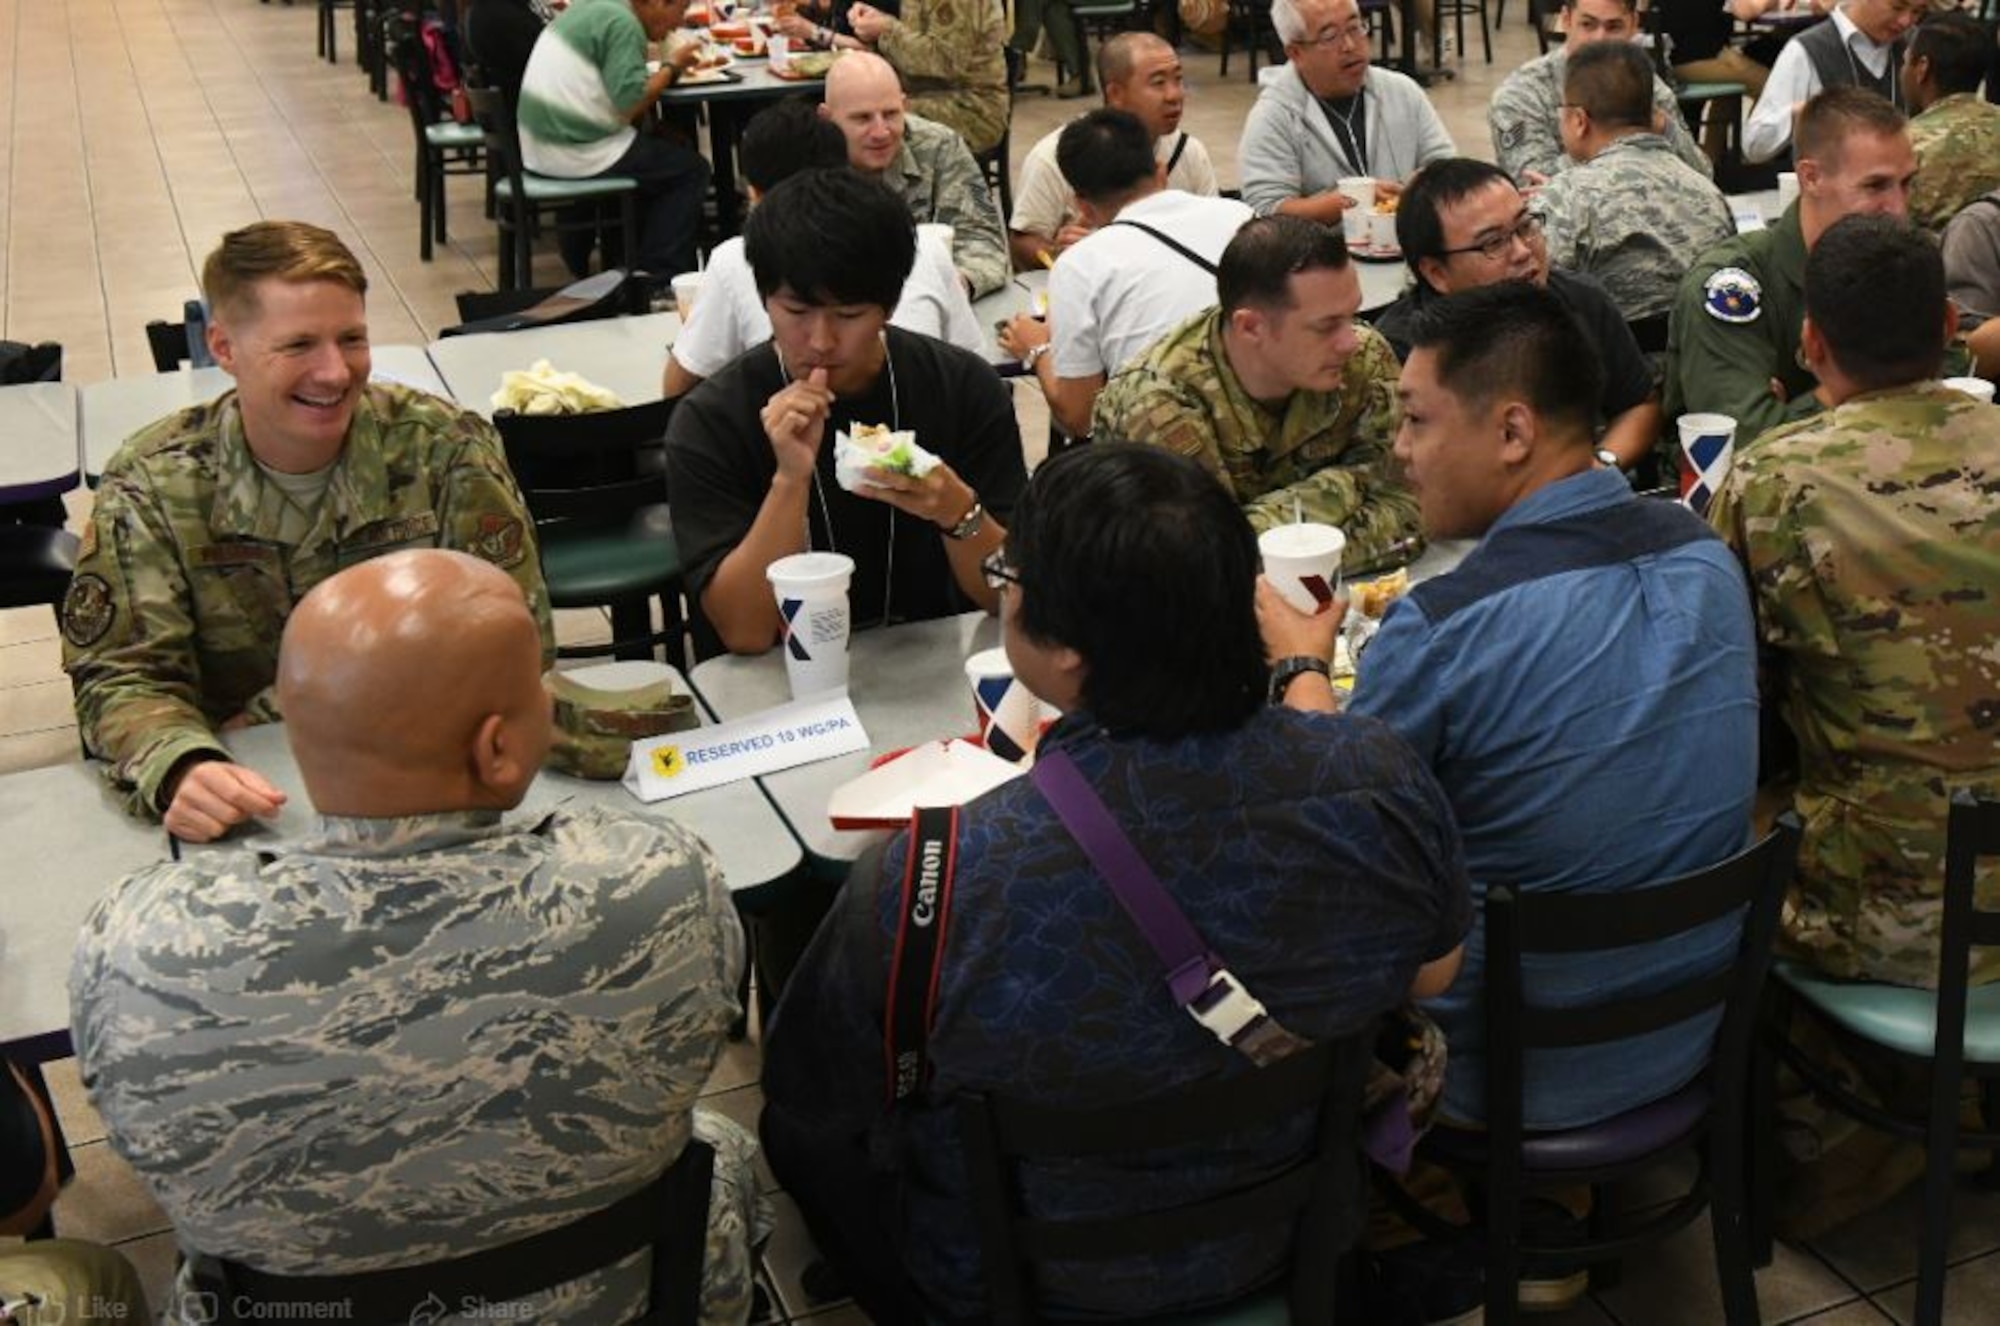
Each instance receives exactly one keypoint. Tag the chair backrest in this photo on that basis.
(670, 1215)
(603, 465)
(1972, 831)
(411, 59)
(21, 363)
(495, 115)
(1752, 883)
(1312, 1204)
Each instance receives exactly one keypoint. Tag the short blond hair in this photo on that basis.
(293, 251)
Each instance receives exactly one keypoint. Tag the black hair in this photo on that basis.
(1613, 82)
(1958, 47)
(1419, 214)
(1875, 289)
(1107, 155)
(1257, 268)
(783, 139)
(1136, 558)
(1514, 338)
(831, 236)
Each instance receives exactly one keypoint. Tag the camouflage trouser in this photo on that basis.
(71, 1282)
(739, 1221)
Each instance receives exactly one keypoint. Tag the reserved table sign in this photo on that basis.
(801, 732)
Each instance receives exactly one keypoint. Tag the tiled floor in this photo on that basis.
(134, 132)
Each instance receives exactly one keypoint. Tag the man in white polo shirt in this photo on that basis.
(1139, 73)
(584, 90)
(1147, 265)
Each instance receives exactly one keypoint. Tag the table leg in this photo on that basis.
(722, 160)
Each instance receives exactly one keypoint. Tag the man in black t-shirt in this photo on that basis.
(750, 451)
(1463, 224)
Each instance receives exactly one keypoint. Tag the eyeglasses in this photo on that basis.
(1350, 32)
(998, 571)
(1494, 247)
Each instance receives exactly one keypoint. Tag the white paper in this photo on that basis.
(802, 732)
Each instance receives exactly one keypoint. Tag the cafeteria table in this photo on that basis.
(730, 103)
(627, 355)
(40, 459)
(112, 411)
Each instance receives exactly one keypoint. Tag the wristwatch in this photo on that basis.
(968, 524)
(1288, 670)
(1035, 352)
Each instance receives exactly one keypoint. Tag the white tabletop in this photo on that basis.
(38, 420)
(71, 841)
(908, 685)
(113, 411)
(1755, 211)
(627, 355)
(736, 821)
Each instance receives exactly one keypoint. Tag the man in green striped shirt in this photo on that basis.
(584, 91)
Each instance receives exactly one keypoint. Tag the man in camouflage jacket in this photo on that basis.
(422, 1031)
(1279, 393)
(1873, 547)
(212, 523)
(1956, 133)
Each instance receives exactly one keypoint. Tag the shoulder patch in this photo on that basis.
(1732, 295)
(499, 540)
(87, 610)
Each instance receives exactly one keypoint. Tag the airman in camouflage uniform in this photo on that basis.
(949, 55)
(941, 182)
(194, 558)
(411, 1038)
(1958, 157)
(1524, 119)
(1872, 543)
(1325, 455)
(1955, 132)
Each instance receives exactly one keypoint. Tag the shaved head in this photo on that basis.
(865, 98)
(411, 684)
(860, 76)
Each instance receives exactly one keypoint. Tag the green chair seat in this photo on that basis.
(546, 188)
(449, 135)
(1897, 1016)
(590, 569)
(1113, 10)
(1710, 91)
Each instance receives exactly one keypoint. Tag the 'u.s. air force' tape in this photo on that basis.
(797, 733)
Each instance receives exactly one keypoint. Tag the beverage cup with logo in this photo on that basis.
(1359, 190)
(1010, 717)
(1788, 188)
(686, 287)
(812, 605)
(1303, 562)
(1708, 442)
(1978, 388)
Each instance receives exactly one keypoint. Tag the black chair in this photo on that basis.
(1952, 1032)
(328, 30)
(1313, 1206)
(444, 147)
(670, 1215)
(37, 554)
(1250, 19)
(1505, 1163)
(525, 202)
(169, 343)
(1456, 10)
(596, 487)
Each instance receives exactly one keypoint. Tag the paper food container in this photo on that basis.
(938, 773)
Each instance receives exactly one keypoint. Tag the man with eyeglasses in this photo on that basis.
(1329, 115)
(1279, 392)
(1462, 225)
(1733, 341)
(1526, 113)
(1859, 45)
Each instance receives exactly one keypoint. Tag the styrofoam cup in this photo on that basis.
(686, 286)
(1359, 190)
(1303, 562)
(1788, 188)
(812, 605)
(1382, 231)
(1010, 717)
(1978, 388)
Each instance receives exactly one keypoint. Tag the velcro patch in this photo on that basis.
(1732, 295)
(88, 610)
(499, 539)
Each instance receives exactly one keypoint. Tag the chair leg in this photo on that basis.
(443, 232)
(1761, 1168)
(1485, 34)
(1940, 1173)
(1503, 1257)
(631, 623)
(1729, 1224)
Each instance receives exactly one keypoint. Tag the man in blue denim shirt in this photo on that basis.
(1583, 684)
(1315, 855)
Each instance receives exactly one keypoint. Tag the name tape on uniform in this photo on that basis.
(791, 734)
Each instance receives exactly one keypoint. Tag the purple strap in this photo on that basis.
(1190, 966)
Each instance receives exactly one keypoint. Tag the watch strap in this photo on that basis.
(1288, 670)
